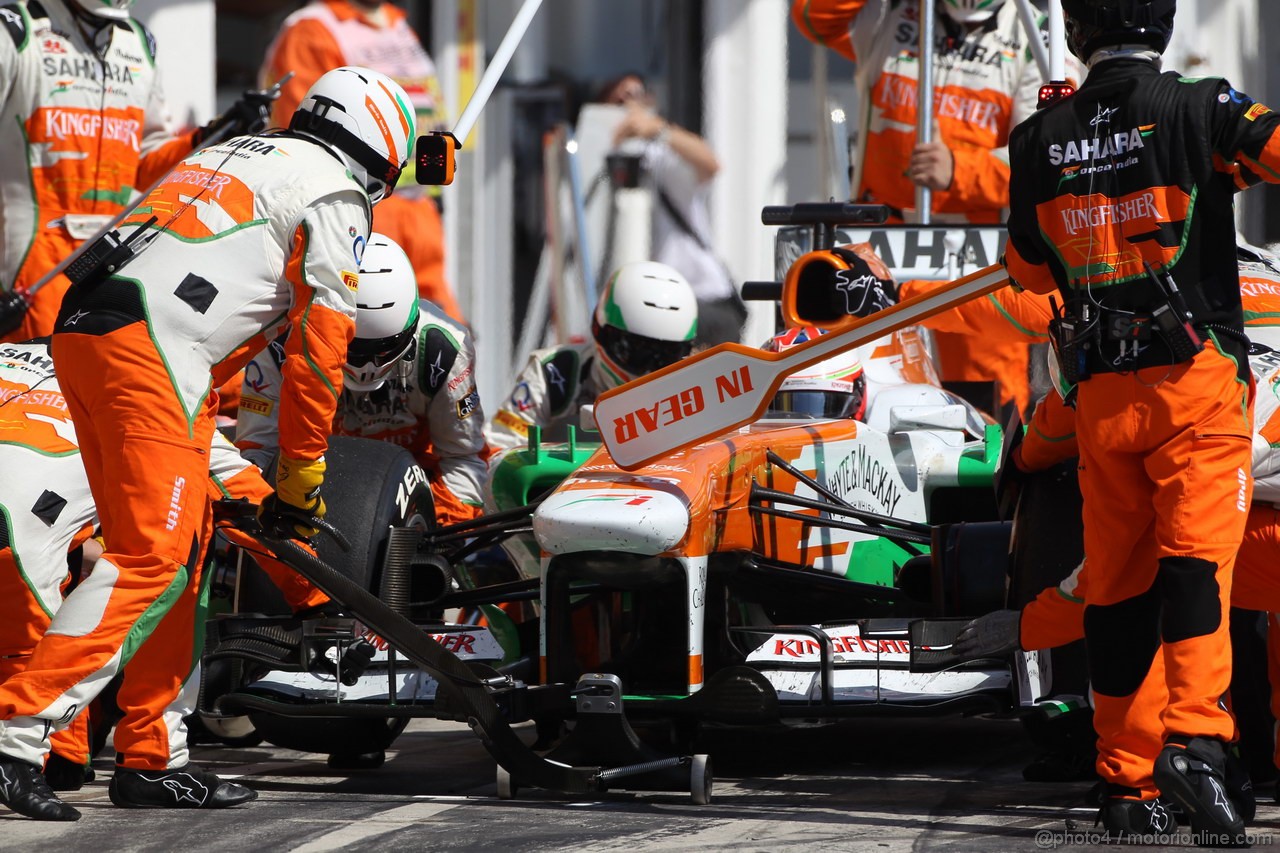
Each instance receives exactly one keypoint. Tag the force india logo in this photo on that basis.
(74, 124)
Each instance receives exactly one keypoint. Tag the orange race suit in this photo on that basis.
(251, 236)
(429, 405)
(1056, 616)
(84, 127)
(326, 34)
(1119, 194)
(47, 511)
(985, 82)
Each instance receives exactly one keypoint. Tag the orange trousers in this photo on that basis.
(147, 464)
(1056, 617)
(27, 619)
(1164, 474)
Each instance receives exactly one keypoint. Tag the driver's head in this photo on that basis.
(834, 388)
(386, 315)
(646, 318)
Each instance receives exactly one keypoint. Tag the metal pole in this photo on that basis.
(1027, 14)
(494, 71)
(1057, 42)
(824, 137)
(924, 104)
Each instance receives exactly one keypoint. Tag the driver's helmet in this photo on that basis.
(364, 118)
(971, 11)
(646, 318)
(834, 388)
(115, 10)
(386, 315)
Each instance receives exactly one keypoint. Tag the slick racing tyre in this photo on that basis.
(369, 487)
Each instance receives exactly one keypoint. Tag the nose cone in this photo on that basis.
(633, 521)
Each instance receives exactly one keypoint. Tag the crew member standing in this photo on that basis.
(1121, 200)
(246, 238)
(327, 33)
(84, 127)
(986, 82)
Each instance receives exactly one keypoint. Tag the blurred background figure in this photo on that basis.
(680, 165)
(327, 34)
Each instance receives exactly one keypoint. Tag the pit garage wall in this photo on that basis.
(184, 31)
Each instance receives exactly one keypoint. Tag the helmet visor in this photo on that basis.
(816, 404)
(379, 351)
(638, 355)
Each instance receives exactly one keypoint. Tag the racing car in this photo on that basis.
(793, 571)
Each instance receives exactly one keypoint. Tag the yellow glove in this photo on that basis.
(297, 499)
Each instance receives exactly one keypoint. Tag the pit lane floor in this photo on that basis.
(881, 785)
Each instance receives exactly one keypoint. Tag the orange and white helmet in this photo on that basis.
(115, 10)
(364, 118)
(834, 388)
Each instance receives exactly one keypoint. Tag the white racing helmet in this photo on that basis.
(386, 315)
(834, 388)
(646, 318)
(115, 10)
(364, 117)
(971, 11)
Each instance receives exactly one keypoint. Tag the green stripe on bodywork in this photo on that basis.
(977, 465)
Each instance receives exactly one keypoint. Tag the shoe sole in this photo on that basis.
(1175, 785)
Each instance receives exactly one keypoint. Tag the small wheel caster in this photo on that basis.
(507, 788)
(700, 780)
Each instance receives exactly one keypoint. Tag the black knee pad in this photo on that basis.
(1122, 639)
(1189, 594)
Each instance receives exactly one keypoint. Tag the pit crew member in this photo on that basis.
(1121, 200)
(48, 513)
(241, 240)
(327, 33)
(986, 82)
(409, 379)
(646, 318)
(85, 126)
(1056, 616)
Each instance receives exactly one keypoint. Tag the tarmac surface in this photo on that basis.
(878, 785)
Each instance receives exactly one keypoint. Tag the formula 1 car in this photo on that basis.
(795, 571)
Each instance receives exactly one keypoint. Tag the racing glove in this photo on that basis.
(249, 114)
(990, 636)
(13, 308)
(291, 511)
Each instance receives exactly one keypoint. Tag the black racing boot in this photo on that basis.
(24, 789)
(1190, 771)
(1122, 814)
(63, 774)
(1235, 775)
(189, 787)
